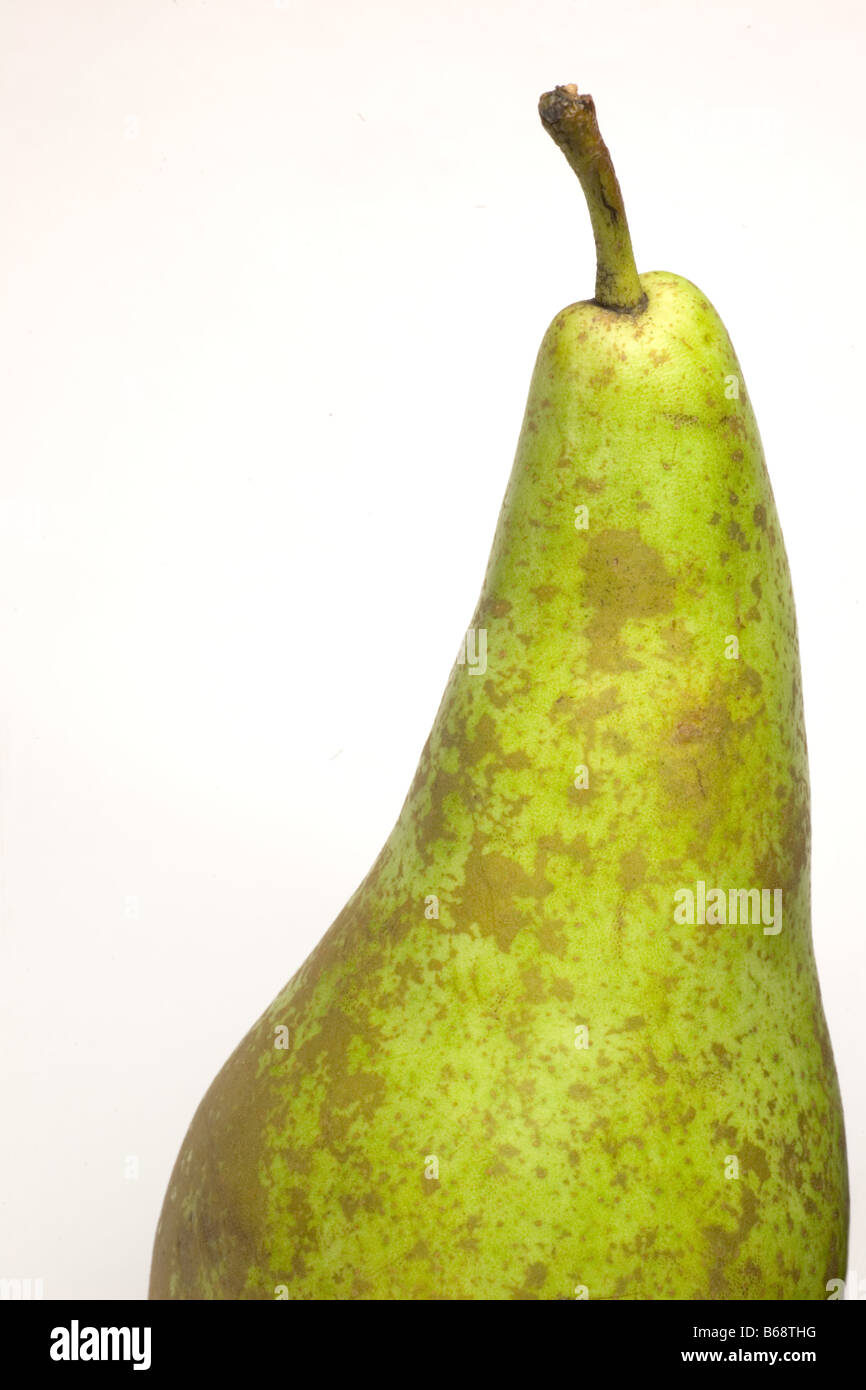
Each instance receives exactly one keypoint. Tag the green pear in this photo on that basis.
(566, 1039)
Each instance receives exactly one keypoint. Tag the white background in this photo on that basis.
(273, 281)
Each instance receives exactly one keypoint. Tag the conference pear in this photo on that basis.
(566, 1040)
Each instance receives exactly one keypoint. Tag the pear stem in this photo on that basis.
(571, 121)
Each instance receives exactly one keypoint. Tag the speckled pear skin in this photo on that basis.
(432, 1130)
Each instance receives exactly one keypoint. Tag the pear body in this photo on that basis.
(515, 1068)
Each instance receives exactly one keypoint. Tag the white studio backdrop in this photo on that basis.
(273, 281)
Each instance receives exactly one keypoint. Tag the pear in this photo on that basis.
(566, 1039)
